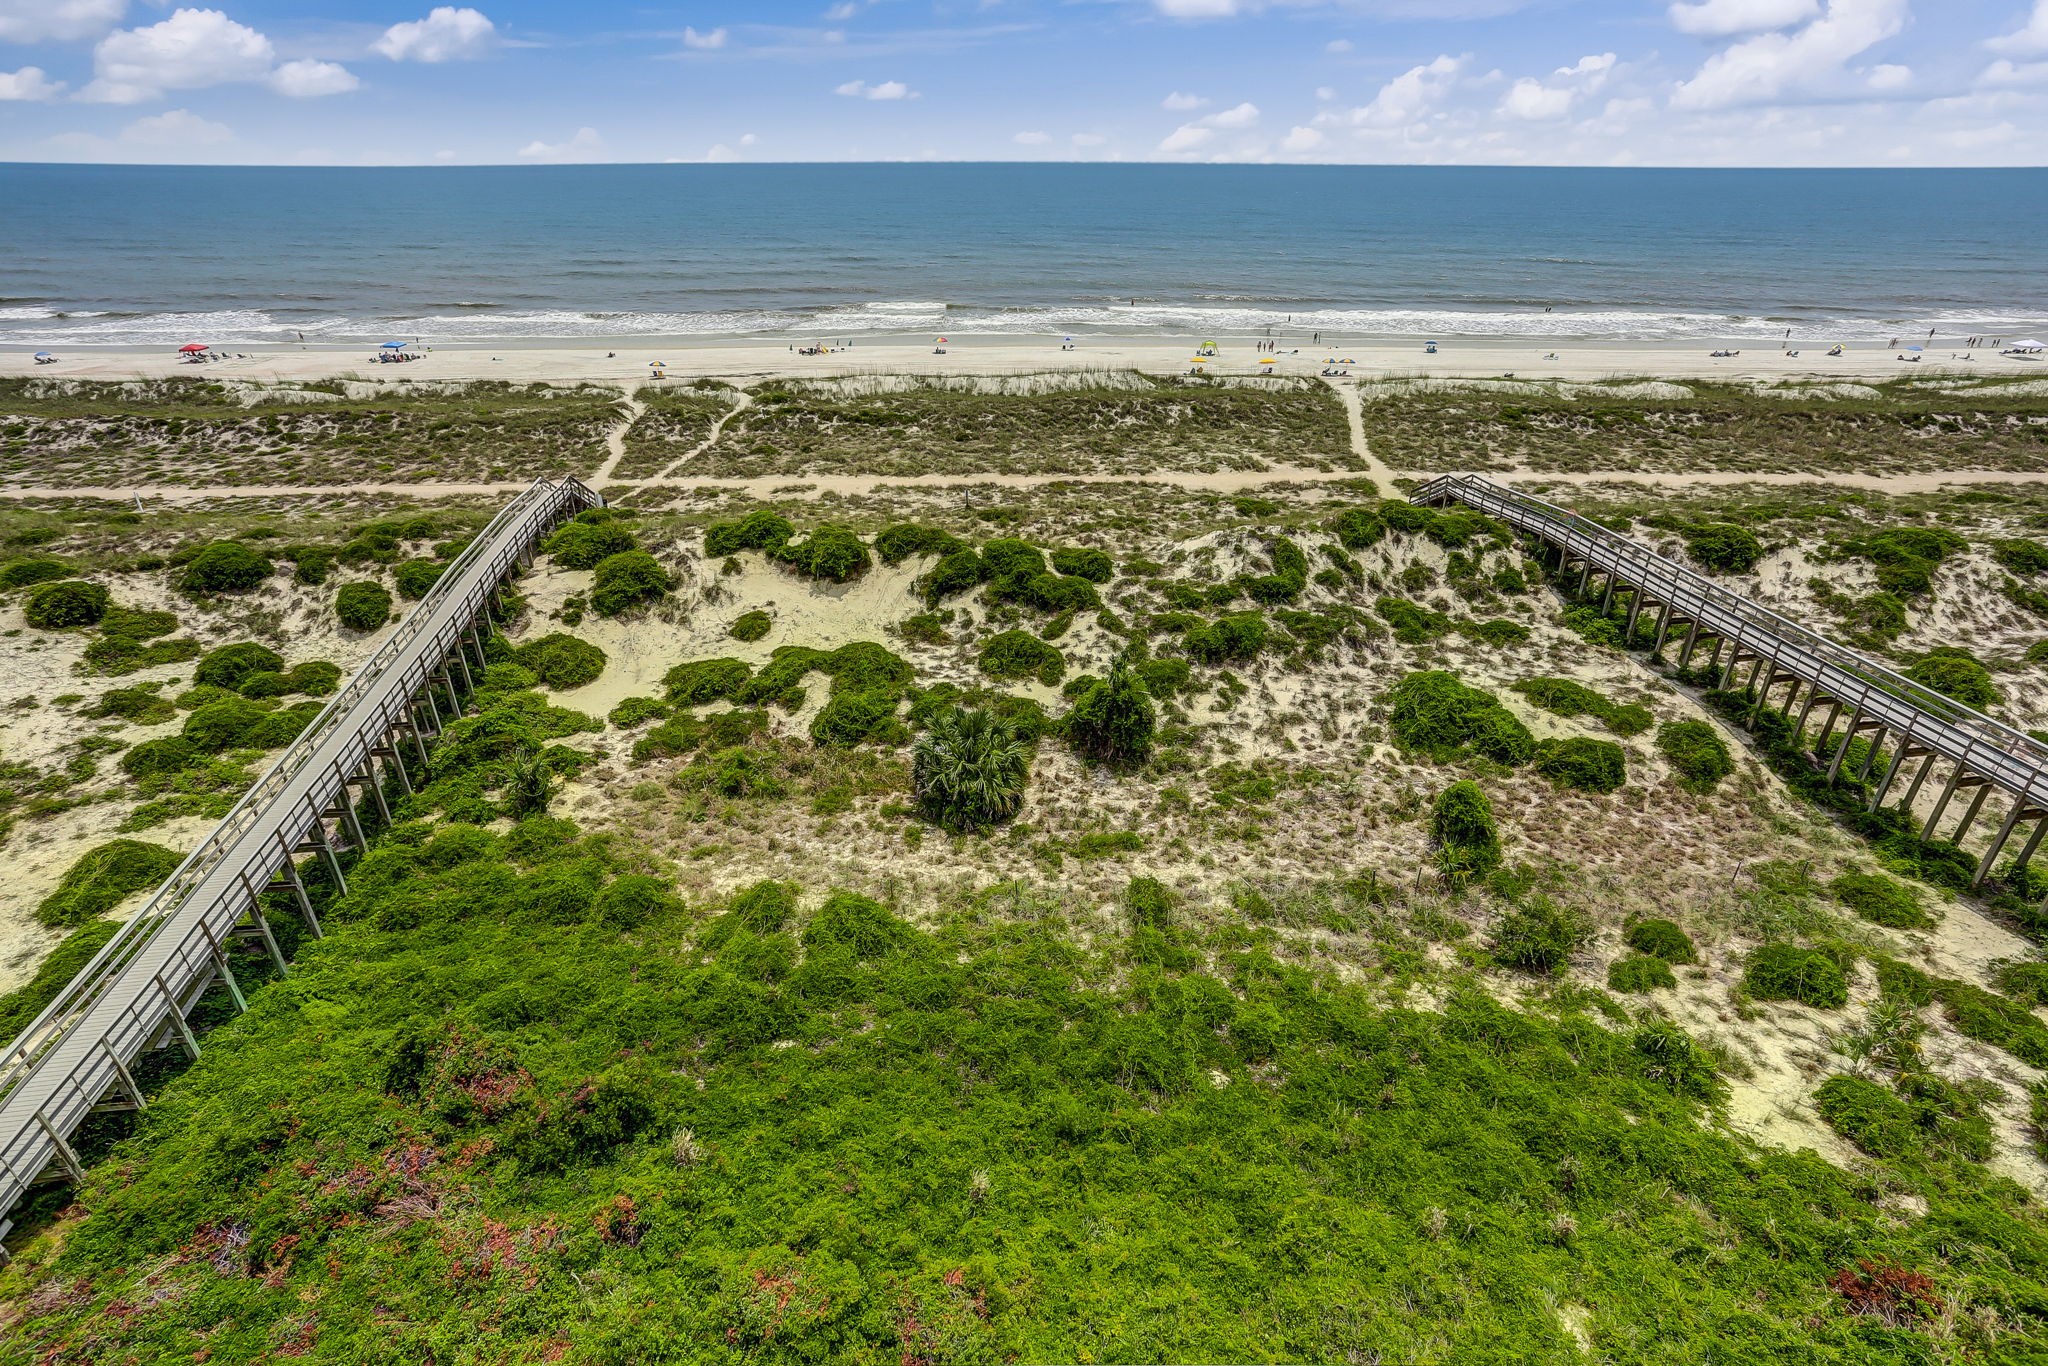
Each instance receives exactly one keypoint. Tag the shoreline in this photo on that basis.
(630, 361)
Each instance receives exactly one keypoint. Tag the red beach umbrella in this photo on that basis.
(193, 346)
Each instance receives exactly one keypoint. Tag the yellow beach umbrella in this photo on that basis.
(1270, 360)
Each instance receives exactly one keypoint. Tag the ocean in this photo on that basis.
(146, 256)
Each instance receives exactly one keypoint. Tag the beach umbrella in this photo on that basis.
(2027, 344)
(394, 346)
(1915, 348)
(41, 354)
(193, 346)
(1269, 360)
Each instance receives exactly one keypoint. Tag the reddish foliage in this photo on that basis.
(224, 1245)
(1891, 1293)
(620, 1222)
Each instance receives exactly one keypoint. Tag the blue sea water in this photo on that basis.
(136, 255)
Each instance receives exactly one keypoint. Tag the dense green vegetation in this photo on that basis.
(1461, 827)
(1435, 715)
(1564, 697)
(969, 768)
(102, 877)
(561, 661)
(1697, 751)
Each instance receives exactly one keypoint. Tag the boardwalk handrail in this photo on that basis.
(2010, 758)
(68, 1057)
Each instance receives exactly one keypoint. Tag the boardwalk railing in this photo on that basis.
(1905, 720)
(76, 1055)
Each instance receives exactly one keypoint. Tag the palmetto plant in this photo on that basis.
(530, 785)
(968, 769)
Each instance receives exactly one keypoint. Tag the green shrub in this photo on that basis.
(626, 580)
(1079, 563)
(314, 678)
(1990, 1018)
(1113, 721)
(851, 718)
(581, 545)
(1955, 672)
(102, 877)
(1540, 936)
(265, 683)
(2026, 982)
(1660, 939)
(137, 625)
(140, 705)
(166, 754)
(415, 577)
(1412, 625)
(1010, 558)
(23, 573)
(1723, 548)
(1461, 827)
(1868, 1115)
(705, 680)
(1019, 654)
(751, 626)
(2018, 557)
(1237, 636)
(634, 710)
(1786, 972)
(230, 664)
(1563, 697)
(278, 727)
(1583, 763)
(1639, 975)
(969, 769)
(1148, 903)
(1887, 901)
(1499, 632)
(858, 926)
(1164, 677)
(1359, 528)
(362, 606)
(1906, 557)
(1050, 593)
(68, 603)
(898, 543)
(225, 567)
(956, 573)
(831, 553)
(561, 661)
(222, 725)
(1435, 715)
(1696, 750)
(762, 530)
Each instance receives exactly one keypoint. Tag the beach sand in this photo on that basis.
(630, 360)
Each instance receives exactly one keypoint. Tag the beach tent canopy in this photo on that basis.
(42, 353)
(193, 346)
(2028, 344)
(393, 346)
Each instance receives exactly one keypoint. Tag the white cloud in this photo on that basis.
(1533, 100)
(1088, 139)
(176, 128)
(1770, 64)
(1339, 46)
(447, 34)
(29, 83)
(1196, 9)
(1885, 76)
(720, 152)
(35, 21)
(841, 12)
(2029, 39)
(1409, 95)
(1301, 140)
(197, 48)
(887, 90)
(1186, 138)
(1719, 18)
(307, 79)
(192, 49)
(1326, 93)
(1032, 139)
(585, 146)
(2005, 73)
(1180, 102)
(704, 42)
(748, 139)
(1239, 116)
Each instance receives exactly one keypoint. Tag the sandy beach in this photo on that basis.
(633, 360)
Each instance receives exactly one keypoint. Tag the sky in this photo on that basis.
(1497, 82)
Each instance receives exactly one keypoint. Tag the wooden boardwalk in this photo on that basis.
(1910, 728)
(135, 994)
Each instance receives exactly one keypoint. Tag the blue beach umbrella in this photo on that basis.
(394, 346)
(1914, 348)
(41, 354)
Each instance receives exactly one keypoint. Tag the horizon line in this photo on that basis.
(987, 161)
